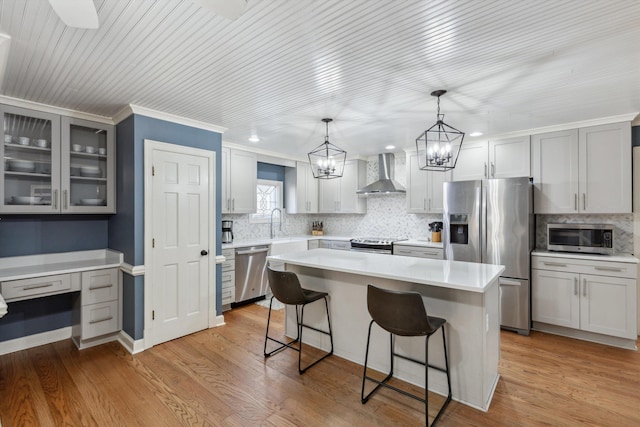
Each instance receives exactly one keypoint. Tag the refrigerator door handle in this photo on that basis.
(508, 282)
(485, 170)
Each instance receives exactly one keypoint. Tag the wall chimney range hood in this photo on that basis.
(385, 183)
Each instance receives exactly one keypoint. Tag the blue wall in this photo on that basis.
(126, 229)
(635, 136)
(271, 172)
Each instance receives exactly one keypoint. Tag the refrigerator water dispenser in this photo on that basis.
(458, 229)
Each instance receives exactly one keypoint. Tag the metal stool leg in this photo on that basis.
(283, 345)
(330, 333)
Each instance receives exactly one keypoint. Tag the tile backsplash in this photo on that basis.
(387, 217)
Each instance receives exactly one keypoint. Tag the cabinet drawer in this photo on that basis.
(585, 266)
(16, 290)
(229, 254)
(434, 253)
(229, 265)
(228, 279)
(99, 286)
(99, 319)
(228, 295)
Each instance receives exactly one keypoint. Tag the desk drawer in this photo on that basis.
(99, 286)
(228, 295)
(16, 290)
(229, 265)
(99, 319)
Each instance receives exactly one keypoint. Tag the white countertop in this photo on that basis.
(25, 267)
(593, 257)
(466, 276)
(266, 241)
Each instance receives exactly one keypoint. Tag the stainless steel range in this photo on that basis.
(373, 244)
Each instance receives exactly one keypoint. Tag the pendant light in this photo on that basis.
(327, 160)
(438, 147)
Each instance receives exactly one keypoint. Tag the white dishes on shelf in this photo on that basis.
(102, 151)
(89, 149)
(26, 200)
(8, 138)
(42, 143)
(16, 165)
(93, 202)
(76, 147)
(90, 171)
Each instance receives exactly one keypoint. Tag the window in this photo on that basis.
(269, 194)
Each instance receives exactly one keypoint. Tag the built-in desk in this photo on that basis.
(466, 294)
(94, 277)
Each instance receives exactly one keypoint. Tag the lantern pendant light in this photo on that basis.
(327, 160)
(439, 146)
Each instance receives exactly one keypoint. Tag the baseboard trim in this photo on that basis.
(131, 345)
(35, 340)
(218, 321)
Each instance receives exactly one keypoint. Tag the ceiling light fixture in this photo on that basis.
(327, 160)
(254, 138)
(475, 134)
(389, 147)
(438, 147)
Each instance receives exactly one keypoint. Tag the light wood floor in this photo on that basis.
(219, 377)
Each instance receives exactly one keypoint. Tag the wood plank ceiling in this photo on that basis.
(369, 64)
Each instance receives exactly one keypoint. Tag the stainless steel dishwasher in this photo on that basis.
(251, 272)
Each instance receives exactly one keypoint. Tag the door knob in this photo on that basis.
(203, 252)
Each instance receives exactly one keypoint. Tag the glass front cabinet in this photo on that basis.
(55, 164)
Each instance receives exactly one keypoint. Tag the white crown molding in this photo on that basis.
(629, 117)
(131, 270)
(23, 103)
(148, 112)
(35, 340)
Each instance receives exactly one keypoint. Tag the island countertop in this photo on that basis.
(466, 276)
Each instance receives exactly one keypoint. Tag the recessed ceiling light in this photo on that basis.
(389, 147)
(254, 138)
(475, 134)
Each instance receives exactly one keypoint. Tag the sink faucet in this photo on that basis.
(271, 224)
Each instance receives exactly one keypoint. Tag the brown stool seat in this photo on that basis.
(404, 314)
(286, 288)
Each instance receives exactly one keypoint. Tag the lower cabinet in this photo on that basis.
(418, 251)
(591, 296)
(342, 245)
(228, 278)
(96, 310)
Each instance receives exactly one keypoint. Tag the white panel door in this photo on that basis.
(180, 227)
(555, 298)
(605, 189)
(555, 172)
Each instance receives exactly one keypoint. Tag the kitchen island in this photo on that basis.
(466, 294)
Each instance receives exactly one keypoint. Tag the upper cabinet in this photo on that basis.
(503, 158)
(239, 180)
(338, 195)
(424, 188)
(301, 189)
(585, 170)
(55, 164)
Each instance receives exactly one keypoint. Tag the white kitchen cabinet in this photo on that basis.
(424, 188)
(239, 180)
(96, 311)
(338, 195)
(340, 245)
(228, 279)
(55, 164)
(584, 170)
(418, 251)
(584, 294)
(301, 189)
(502, 158)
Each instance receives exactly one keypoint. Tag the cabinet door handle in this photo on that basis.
(609, 269)
(584, 201)
(64, 199)
(493, 170)
(424, 204)
(575, 286)
(485, 170)
(575, 201)
(54, 200)
(554, 264)
(104, 319)
(94, 288)
(429, 205)
(584, 287)
(29, 288)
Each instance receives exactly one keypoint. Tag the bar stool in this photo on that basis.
(286, 288)
(404, 314)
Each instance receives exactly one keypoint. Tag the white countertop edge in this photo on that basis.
(28, 266)
(628, 258)
(281, 239)
(493, 270)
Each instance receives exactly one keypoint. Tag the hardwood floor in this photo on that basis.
(219, 377)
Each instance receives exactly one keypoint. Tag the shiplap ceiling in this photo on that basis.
(370, 65)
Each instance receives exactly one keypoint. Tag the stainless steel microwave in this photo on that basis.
(585, 238)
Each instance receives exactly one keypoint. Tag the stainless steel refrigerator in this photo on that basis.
(491, 221)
